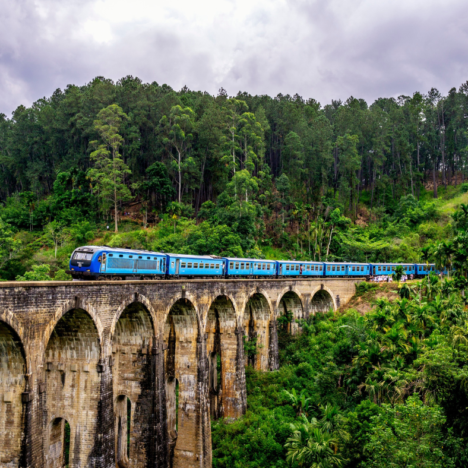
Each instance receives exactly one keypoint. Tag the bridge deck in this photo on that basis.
(16, 284)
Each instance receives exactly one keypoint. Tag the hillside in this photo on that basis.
(397, 237)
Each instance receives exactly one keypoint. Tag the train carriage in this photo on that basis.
(249, 267)
(296, 268)
(386, 269)
(194, 265)
(346, 269)
(424, 269)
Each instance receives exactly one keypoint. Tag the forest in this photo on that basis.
(255, 176)
(132, 164)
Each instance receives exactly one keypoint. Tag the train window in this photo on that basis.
(268, 266)
(189, 265)
(287, 267)
(140, 256)
(237, 266)
(120, 255)
(212, 265)
(241, 266)
(333, 268)
(172, 264)
(111, 255)
(182, 265)
(195, 265)
(149, 258)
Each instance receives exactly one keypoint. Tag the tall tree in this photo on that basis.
(109, 168)
(176, 129)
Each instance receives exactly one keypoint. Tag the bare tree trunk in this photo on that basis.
(116, 209)
(180, 177)
(329, 242)
(411, 174)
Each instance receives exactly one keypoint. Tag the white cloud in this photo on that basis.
(321, 49)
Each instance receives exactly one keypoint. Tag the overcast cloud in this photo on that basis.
(327, 49)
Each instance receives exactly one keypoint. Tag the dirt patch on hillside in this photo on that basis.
(365, 302)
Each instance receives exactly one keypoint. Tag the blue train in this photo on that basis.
(102, 262)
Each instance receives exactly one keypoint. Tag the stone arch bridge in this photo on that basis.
(129, 374)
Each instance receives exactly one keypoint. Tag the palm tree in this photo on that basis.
(310, 447)
(298, 401)
(443, 255)
(399, 272)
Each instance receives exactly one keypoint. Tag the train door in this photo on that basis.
(177, 267)
(135, 266)
(103, 263)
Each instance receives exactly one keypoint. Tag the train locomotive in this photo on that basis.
(109, 263)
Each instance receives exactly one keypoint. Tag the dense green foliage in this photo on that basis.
(387, 389)
(244, 175)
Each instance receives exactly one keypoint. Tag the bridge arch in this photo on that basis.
(73, 379)
(123, 409)
(58, 442)
(134, 298)
(183, 339)
(77, 303)
(290, 301)
(12, 384)
(322, 300)
(258, 314)
(132, 343)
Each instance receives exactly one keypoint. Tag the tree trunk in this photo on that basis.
(180, 176)
(116, 209)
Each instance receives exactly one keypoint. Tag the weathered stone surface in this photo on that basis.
(143, 356)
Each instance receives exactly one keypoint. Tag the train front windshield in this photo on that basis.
(82, 256)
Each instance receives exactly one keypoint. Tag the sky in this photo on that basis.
(322, 49)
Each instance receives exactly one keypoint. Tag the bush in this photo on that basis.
(38, 273)
(362, 288)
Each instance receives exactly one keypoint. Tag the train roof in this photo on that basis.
(248, 259)
(315, 262)
(94, 248)
(393, 264)
(203, 257)
(345, 263)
